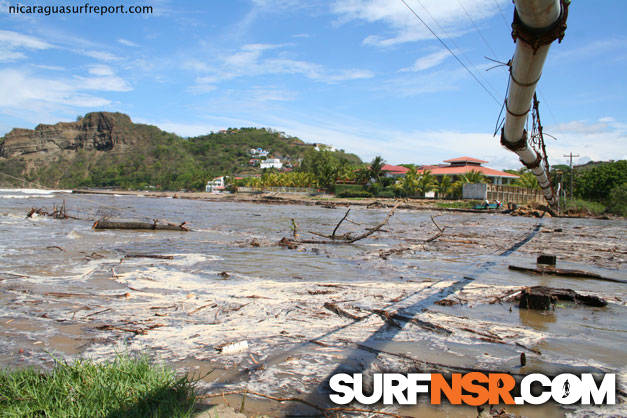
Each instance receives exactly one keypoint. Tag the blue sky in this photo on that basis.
(362, 75)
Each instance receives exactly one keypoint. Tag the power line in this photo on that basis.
(460, 50)
(498, 6)
(485, 41)
(497, 101)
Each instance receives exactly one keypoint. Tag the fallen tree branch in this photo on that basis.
(337, 239)
(340, 223)
(156, 225)
(396, 316)
(157, 256)
(566, 273)
(341, 312)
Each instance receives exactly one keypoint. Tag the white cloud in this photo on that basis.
(100, 70)
(414, 84)
(570, 51)
(445, 17)
(12, 42)
(7, 55)
(428, 61)
(49, 67)
(182, 129)
(604, 139)
(127, 42)
(26, 92)
(434, 146)
(99, 55)
(18, 40)
(250, 61)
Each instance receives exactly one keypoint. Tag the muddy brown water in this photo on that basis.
(67, 291)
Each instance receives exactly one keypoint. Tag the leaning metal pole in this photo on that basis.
(537, 23)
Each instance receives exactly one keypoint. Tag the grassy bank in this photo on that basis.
(458, 204)
(580, 206)
(124, 387)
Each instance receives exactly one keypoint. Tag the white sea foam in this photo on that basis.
(35, 191)
(22, 196)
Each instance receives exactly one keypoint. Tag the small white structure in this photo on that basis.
(258, 152)
(271, 163)
(476, 191)
(323, 147)
(218, 184)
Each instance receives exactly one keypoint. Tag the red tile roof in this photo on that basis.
(459, 170)
(394, 169)
(465, 159)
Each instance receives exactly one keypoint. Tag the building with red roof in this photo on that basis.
(463, 165)
(394, 170)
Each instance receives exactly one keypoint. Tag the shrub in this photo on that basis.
(617, 200)
(354, 193)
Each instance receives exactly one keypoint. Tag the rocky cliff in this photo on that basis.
(98, 131)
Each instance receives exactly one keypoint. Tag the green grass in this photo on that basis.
(125, 387)
(457, 204)
(580, 205)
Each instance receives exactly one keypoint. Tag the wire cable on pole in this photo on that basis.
(485, 41)
(497, 101)
(457, 47)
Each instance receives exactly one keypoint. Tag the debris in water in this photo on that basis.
(233, 348)
(565, 272)
(544, 298)
(155, 225)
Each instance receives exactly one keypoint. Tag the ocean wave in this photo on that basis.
(16, 196)
(35, 191)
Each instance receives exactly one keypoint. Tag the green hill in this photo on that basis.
(109, 150)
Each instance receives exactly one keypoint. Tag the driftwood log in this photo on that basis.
(565, 272)
(334, 238)
(544, 298)
(155, 225)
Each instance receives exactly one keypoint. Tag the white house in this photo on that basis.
(216, 185)
(323, 147)
(271, 163)
(258, 152)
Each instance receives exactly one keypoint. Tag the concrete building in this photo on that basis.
(459, 166)
(271, 163)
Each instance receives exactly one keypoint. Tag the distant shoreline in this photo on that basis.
(289, 199)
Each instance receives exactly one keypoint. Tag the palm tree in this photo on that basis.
(473, 177)
(375, 168)
(528, 180)
(408, 184)
(426, 182)
(444, 187)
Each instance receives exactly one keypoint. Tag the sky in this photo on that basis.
(361, 75)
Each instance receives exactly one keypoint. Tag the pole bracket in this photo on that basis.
(538, 37)
(534, 164)
(519, 145)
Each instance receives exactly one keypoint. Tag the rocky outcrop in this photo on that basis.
(98, 131)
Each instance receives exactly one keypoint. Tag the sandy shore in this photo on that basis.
(324, 200)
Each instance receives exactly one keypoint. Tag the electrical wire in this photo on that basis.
(497, 101)
(485, 41)
(457, 48)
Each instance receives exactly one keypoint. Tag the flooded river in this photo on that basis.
(229, 299)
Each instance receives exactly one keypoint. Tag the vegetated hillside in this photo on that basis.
(601, 181)
(105, 149)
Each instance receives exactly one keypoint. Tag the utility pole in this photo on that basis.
(571, 155)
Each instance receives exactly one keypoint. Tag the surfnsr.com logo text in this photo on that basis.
(474, 389)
